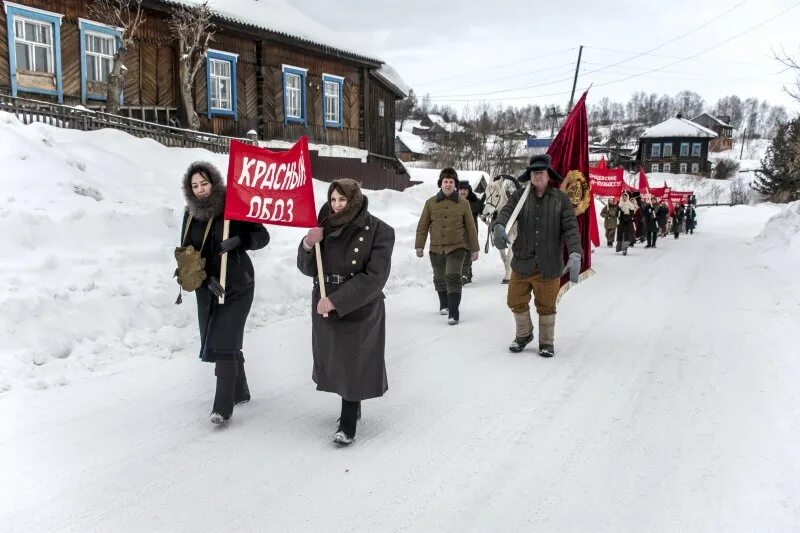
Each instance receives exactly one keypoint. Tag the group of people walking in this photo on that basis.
(633, 219)
(348, 323)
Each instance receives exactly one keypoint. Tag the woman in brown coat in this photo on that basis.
(348, 345)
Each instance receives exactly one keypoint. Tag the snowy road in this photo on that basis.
(673, 404)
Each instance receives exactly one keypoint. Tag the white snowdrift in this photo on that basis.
(90, 222)
(780, 237)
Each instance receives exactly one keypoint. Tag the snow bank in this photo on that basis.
(780, 237)
(90, 223)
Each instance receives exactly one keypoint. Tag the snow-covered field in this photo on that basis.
(673, 403)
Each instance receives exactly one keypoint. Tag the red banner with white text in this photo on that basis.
(270, 187)
(606, 181)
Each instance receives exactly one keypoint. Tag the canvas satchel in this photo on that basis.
(191, 271)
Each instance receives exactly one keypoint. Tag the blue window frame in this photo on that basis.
(655, 150)
(697, 149)
(332, 100)
(294, 95)
(221, 92)
(99, 43)
(667, 150)
(34, 46)
(684, 149)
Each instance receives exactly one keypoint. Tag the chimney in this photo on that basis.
(680, 115)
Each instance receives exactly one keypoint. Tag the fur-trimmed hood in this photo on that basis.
(204, 208)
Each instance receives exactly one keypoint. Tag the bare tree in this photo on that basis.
(404, 109)
(790, 63)
(128, 16)
(194, 30)
(741, 193)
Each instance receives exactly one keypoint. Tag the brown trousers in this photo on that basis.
(545, 291)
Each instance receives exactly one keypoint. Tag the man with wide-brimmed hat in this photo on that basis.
(545, 223)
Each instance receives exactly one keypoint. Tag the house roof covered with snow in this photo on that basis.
(280, 17)
(678, 127)
(390, 76)
(414, 143)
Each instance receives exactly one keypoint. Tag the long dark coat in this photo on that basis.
(349, 345)
(649, 218)
(691, 218)
(222, 326)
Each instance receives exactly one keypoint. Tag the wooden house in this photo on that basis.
(676, 145)
(269, 68)
(721, 125)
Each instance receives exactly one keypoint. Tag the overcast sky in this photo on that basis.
(519, 52)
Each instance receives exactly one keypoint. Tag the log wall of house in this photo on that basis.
(381, 135)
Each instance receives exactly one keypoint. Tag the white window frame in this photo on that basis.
(655, 150)
(220, 103)
(654, 167)
(685, 153)
(683, 168)
(333, 98)
(695, 168)
(381, 108)
(293, 95)
(31, 45)
(97, 57)
(667, 167)
(699, 149)
(666, 150)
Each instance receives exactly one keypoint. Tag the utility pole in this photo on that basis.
(575, 81)
(553, 116)
(744, 136)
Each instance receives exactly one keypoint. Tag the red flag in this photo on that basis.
(602, 164)
(644, 186)
(270, 187)
(605, 181)
(570, 151)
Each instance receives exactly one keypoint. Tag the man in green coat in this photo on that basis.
(448, 219)
(611, 214)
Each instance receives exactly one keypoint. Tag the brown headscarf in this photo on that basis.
(355, 202)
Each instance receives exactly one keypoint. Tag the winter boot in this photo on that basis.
(346, 432)
(547, 330)
(442, 302)
(453, 301)
(242, 394)
(524, 333)
(226, 389)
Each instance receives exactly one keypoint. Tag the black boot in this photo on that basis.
(346, 432)
(453, 301)
(226, 389)
(242, 394)
(442, 302)
(546, 350)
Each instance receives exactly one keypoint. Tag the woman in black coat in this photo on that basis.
(221, 326)
(348, 345)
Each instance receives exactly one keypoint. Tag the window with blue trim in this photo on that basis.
(99, 44)
(332, 100)
(655, 150)
(696, 149)
(294, 94)
(34, 41)
(221, 83)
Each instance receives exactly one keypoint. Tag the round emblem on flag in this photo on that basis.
(576, 186)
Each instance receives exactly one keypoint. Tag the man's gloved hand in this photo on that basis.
(229, 244)
(501, 240)
(214, 287)
(420, 252)
(573, 267)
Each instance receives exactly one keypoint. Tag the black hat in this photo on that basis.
(540, 162)
(467, 187)
(449, 173)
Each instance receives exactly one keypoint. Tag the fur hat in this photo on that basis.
(204, 208)
(449, 173)
(467, 187)
(355, 202)
(540, 162)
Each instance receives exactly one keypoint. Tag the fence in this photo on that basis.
(379, 172)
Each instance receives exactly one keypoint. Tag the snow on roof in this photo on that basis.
(414, 143)
(390, 76)
(408, 125)
(715, 119)
(678, 127)
(280, 17)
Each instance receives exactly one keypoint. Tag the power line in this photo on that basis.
(681, 60)
(681, 36)
(672, 57)
(495, 67)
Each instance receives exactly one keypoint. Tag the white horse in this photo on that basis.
(497, 195)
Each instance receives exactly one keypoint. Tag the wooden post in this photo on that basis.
(320, 274)
(223, 269)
